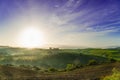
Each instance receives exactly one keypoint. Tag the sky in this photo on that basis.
(72, 23)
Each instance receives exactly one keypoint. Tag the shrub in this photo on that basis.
(112, 60)
(9, 65)
(70, 67)
(92, 62)
(77, 63)
(36, 68)
(62, 70)
(52, 69)
(45, 70)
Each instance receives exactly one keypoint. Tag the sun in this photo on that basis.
(31, 37)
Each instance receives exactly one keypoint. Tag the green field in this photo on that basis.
(57, 61)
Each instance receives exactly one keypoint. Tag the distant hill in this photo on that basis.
(46, 58)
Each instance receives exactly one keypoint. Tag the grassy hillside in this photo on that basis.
(60, 60)
(57, 64)
(45, 58)
(94, 72)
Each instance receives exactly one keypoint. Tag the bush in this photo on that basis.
(62, 70)
(92, 62)
(52, 69)
(77, 63)
(36, 68)
(45, 70)
(112, 60)
(9, 65)
(70, 67)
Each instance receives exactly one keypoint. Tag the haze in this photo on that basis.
(78, 23)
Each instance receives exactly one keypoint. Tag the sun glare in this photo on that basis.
(31, 37)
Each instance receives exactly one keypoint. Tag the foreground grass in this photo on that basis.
(93, 72)
(115, 75)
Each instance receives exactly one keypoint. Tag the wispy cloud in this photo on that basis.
(70, 22)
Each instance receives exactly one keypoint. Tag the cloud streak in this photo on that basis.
(69, 22)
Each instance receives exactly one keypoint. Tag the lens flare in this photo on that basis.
(31, 37)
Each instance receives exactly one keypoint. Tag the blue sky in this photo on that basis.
(86, 23)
